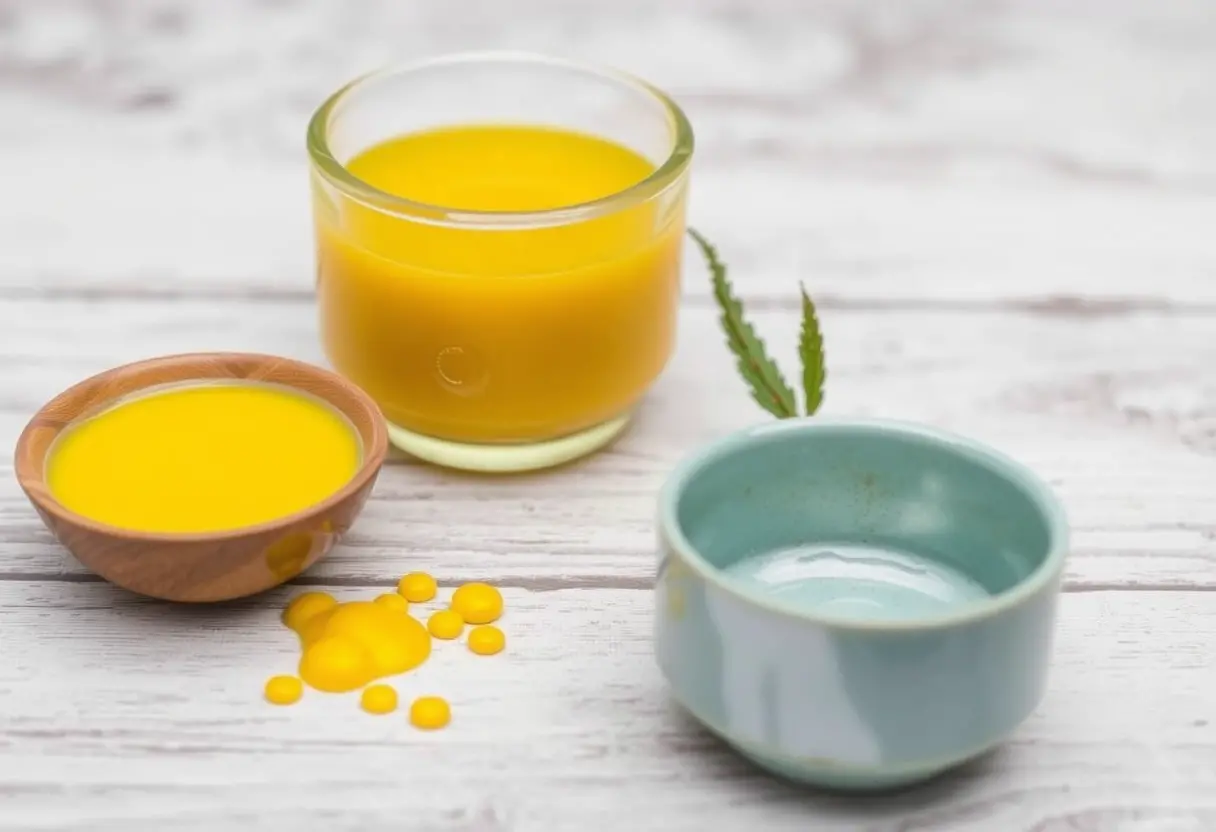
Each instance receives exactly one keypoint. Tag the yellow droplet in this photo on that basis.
(445, 624)
(486, 640)
(379, 699)
(336, 664)
(305, 607)
(430, 712)
(284, 690)
(477, 603)
(417, 587)
(393, 601)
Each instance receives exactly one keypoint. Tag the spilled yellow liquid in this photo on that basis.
(203, 458)
(477, 603)
(284, 690)
(393, 601)
(417, 587)
(487, 640)
(379, 699)
(445, 624)
(430, 712)
(352, 645)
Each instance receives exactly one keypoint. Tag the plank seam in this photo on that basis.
(553, 584)
(1054, 306)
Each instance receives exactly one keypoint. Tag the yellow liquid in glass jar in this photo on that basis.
(493, 335)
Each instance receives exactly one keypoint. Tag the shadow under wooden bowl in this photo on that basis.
(213, 566)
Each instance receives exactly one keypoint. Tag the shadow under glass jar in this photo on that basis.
(499, 340)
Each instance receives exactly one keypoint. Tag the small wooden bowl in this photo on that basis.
(215, 566)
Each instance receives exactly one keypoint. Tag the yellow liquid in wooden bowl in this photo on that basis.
(202, 458)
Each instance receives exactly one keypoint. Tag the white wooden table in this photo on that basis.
(1007, 214)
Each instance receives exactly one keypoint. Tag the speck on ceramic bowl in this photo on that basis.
(857, 605)
(207, 566)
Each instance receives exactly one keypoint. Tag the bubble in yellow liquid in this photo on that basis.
(445, 624)
(430, 712)
(477, 603)
(379, 699)
(346, 646)
(393, 601)
(486, 640)
(284, 690)
(417, 587)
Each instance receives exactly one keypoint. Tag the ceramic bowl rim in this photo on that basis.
(1037, 491)
(374, 452)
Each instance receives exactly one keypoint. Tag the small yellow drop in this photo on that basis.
(486, 640)
(477, 603)
(304, 608)
(417, 587)
(379, 699)
(430, 712)
(445, 624)
(393, 601)
(284, 690)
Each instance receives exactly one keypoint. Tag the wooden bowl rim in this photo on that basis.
(374, 451)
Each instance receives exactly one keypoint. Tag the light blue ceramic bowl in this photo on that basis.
(857, 604)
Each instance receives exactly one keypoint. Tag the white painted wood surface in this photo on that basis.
(1005, 210)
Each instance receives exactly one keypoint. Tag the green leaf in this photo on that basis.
(768, 387)
(810, 349)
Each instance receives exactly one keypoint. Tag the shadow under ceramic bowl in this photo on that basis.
(857, 604)
(213, 566)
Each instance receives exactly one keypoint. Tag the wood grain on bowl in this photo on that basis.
(210, 566)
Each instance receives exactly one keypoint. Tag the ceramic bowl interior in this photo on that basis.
(212, 566)
(864, 521)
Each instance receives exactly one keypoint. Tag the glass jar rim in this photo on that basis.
(661, 178)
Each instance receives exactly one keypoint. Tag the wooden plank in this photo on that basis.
(908, 154)
(572, 724)
(869, 245)
(1119, 414)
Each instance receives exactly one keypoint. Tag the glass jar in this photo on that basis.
(499, 340)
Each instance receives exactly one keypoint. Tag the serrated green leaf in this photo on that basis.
(810, 350)
(768, 387)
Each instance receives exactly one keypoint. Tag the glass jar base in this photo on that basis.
(507, 458)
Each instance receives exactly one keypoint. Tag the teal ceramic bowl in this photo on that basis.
(857, 605)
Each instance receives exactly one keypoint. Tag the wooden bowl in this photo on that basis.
(213, 566)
